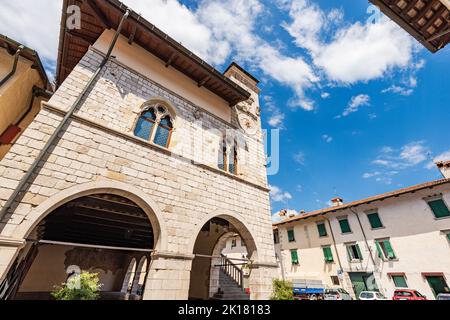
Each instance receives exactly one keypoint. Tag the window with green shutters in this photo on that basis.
(354, 253)
(374, 220)
(448, 236)
(399, 281)
(384, 249)
(328, 254)
(294, 257)
(439, 208)
(322, 229)
(291, 235)
(345, 226)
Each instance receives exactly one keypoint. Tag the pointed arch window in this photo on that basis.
(155, 124)
(228, 156)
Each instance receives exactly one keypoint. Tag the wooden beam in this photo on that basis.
(433, 18)
(99, 14)
(172, 57)
(204, 81)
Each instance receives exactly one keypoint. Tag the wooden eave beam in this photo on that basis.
(99, 14)
(204, 81)
(172, 57)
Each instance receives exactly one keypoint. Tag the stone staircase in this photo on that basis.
(229, 286)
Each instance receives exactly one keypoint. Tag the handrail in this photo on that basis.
(235, 273)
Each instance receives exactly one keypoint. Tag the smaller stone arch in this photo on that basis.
(129, 278)
(141, 274)
(244, 230)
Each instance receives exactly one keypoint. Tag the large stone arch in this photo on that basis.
(245, 231)
(143, 200)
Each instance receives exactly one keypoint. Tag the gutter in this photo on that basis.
(14, 67)
(65, 120)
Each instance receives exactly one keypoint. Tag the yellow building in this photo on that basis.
(23, 86)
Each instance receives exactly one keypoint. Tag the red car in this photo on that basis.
(407, 294)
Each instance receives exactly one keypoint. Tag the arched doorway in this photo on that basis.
(213, 275)
(98, 232)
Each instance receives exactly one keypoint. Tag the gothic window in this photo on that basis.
(228, 156)
(155, 124)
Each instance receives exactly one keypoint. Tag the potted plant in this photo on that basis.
(84, 286)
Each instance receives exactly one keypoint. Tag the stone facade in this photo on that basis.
(181, 185)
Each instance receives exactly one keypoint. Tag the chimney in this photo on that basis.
(282, 213)
(336, 202)
(444, 167)
(238, 74)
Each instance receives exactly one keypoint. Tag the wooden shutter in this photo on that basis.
(359, 252)
(390, 251)
(439, 208)
(294, 257)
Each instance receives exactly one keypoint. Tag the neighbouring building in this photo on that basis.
(23, 86)
(426, 20)
(141, 166)
(399, 239)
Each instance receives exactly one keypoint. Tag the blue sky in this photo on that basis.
(362, 108)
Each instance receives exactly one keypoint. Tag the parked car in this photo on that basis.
(443, 296)
(336, 294)
(407, 294)
(371, 295)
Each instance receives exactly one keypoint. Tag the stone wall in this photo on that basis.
(98, 145)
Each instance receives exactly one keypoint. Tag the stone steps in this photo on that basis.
(229, 289)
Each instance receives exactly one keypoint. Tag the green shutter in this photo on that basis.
(328, 254)
(379, 250)
(291, 235)
(399, 281)
(322, 229)
(345, 226)
(294, 257)
(448, 236)
(349, 253)
(390, 251)
(374, 220)
(359, 252)
(439, 208)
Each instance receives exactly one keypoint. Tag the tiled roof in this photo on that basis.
(366, 200)
(441, 164)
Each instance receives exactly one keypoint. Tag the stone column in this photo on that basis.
(168, 277)
(260, 280)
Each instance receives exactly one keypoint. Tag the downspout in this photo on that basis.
(66, 118)
(334, 243)
(14, 67)
(375, 268)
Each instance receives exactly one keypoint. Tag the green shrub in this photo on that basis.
(282, 290)
(84, 286)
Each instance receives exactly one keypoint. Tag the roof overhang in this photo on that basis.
(99, 15)
(425, 20)
(11, 47)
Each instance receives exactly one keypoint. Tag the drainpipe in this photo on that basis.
(66, 118)
(334, 243)
(14, 67)
(375, 268)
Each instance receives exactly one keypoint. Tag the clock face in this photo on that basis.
(248, 124)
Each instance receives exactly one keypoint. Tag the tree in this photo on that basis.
(282, 290)
(84, 286)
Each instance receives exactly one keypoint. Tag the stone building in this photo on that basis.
(400, 239)
(140, 167)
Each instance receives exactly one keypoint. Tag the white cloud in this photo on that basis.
(299, 157)
(325, 95)
(355, 52)
(327, 138)
(355, 103)
(391, 161)
(278, 195)
(276, 117)
(399, 90)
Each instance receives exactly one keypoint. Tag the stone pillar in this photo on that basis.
(260, 280)
(9, 248)
(168, 277)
